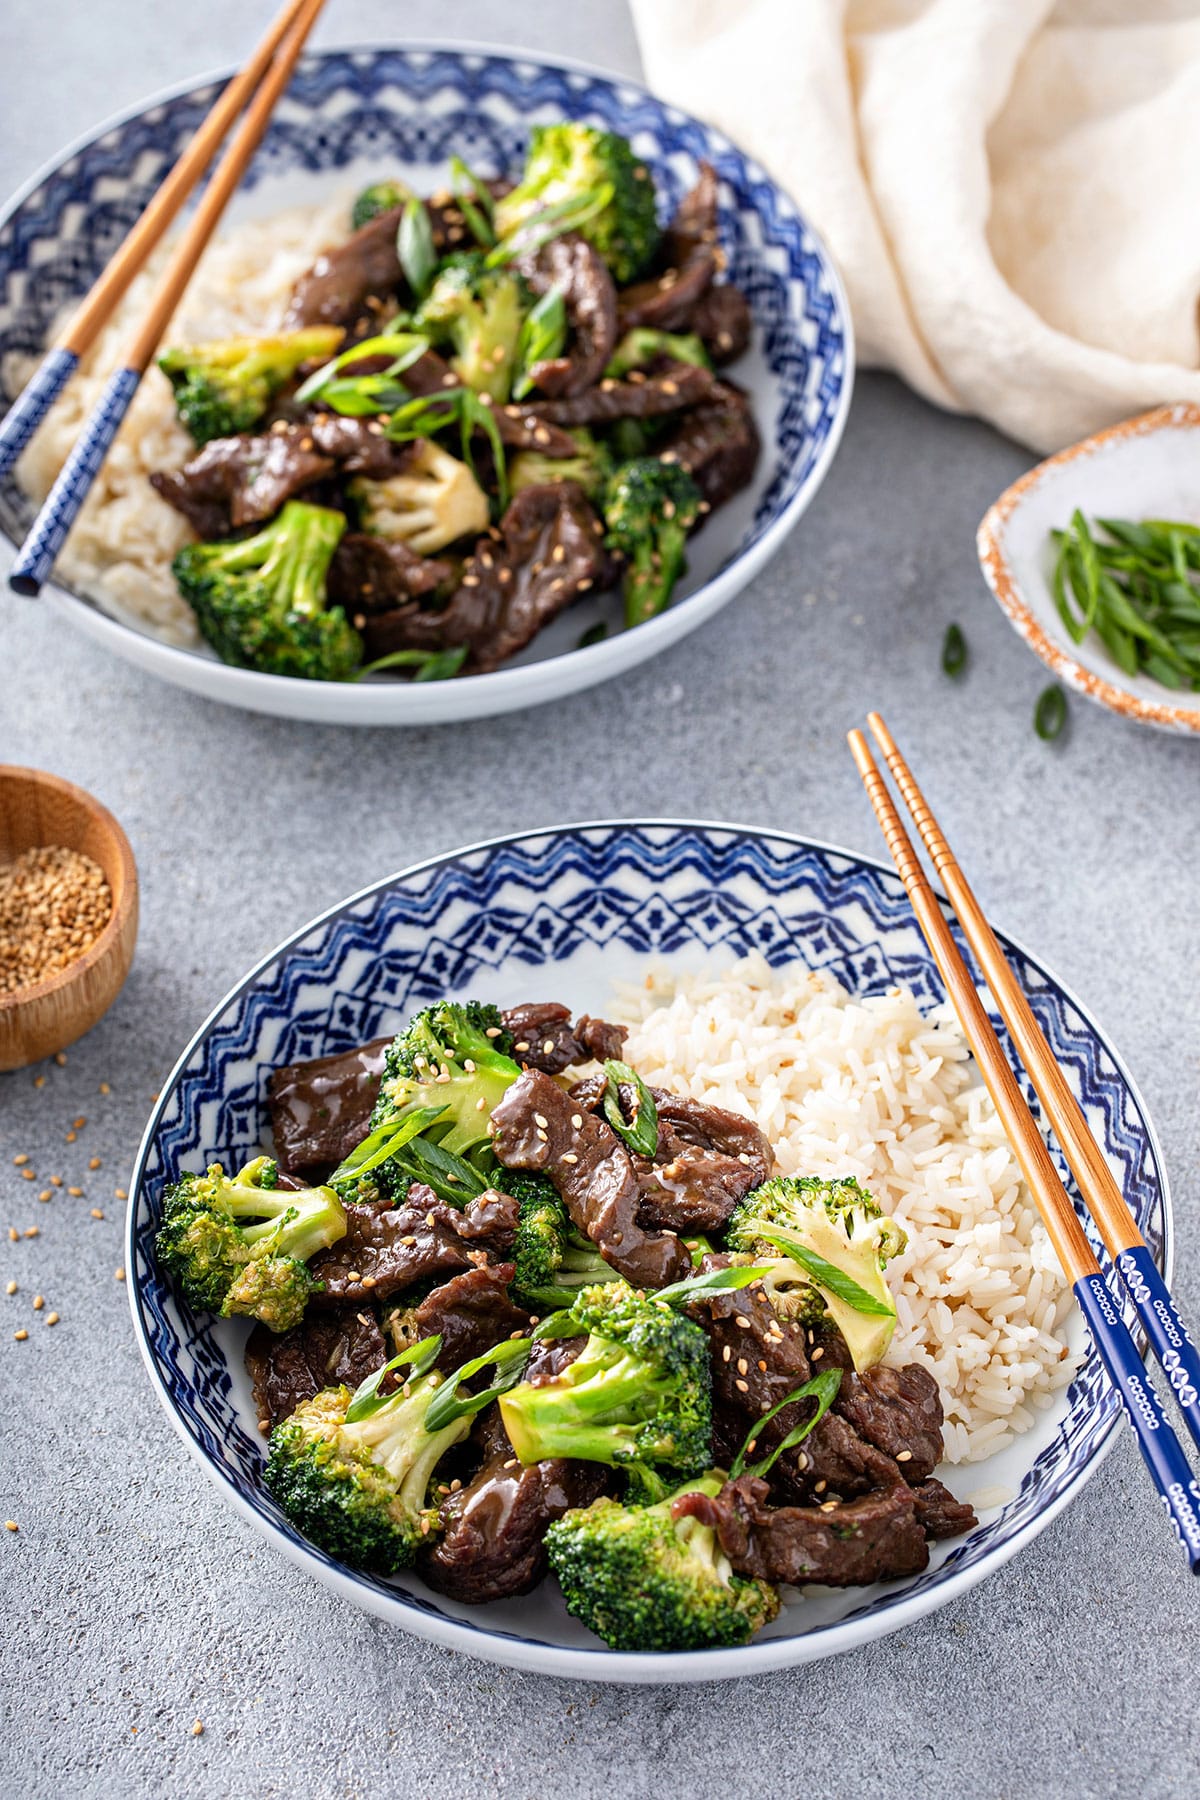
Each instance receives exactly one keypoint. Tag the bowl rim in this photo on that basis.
(497, 686)
(603, 1664)
(114, 928)
(998, 573)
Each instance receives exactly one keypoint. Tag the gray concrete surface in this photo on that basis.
(135, 1603)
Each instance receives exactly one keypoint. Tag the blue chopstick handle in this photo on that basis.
(33, 403)
(1168, 1335)
(1160, 1449)
(35, 559)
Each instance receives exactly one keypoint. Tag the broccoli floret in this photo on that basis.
(639, 1391)
(226, 387)
(591, 467)
(478, 312)
(642, 1580)
(650, 506)
(642, 345)
(435, 501)
(260, 601)
(451, 1062)
(825, 1245)
(553, 1259)
(380, 197)
(240, 1244)
(360, 1490)
(570, 162)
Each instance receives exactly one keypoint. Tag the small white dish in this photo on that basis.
(1144, 468)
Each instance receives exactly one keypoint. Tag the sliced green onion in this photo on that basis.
(429, 665)
(367, 1399)
(822, 1388)
(954, 651)
(551, 222)
(474, 201)
(713, 1281)
(415, 248)
(641, 1132)
(543, 336)
(1050, 713)
(385, 1140)
(447, 1405)
(826, 1274)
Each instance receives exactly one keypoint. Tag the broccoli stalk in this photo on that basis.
(639, 1391)
(238, 1244)
(553, 1261)
(478, 312)
(825, 1246)
(225, 387)
(570, 163)
(650, 507)
(591, 467)
(644, 1580)
(260, 601)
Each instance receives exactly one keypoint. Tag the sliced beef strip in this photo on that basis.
(472, 1312)
(722, 320)
(707, 1161)
(745, 1334)
(202, 489)
(877, 1538)
(358, 446)
(900, 1412)
(335, 291)
(345, 1346)
(579, 273)
(519, 426)
(543, 1037)
(535, 1128)
(717, 442)
(672, 387)
(940, 1515)
(551, 550)
(688, 259)
(833, 1463)
(320, 1110)
(491, 1546)
(240, 481)
(370, 575)
(386, 1249)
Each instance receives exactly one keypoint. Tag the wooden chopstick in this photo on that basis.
(59, 364)
(1156, 1309)
(35, 559)
(1169, 1469)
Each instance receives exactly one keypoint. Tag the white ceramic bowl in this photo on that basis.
(1145, 468)
(352, 115)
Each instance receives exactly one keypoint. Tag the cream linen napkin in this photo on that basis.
(1011, 188)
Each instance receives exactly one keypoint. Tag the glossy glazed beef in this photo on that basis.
(322, 1351)
(321, 1109)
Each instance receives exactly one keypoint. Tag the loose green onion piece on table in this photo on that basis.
(954, 651)
(1050, 713)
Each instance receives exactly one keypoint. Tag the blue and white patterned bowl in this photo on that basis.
(563, 914)
(350, 115)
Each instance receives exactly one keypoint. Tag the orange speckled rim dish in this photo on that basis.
(1004, 585)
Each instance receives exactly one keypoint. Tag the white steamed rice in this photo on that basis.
(874, 1089)
(120, 549)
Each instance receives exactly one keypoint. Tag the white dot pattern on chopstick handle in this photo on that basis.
(33, 403)
(61, 507)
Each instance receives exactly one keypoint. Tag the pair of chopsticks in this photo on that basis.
(260, 84)
(1151, 1299)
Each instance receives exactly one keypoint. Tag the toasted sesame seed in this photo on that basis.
(521, 1048)
(818, 1353)
(408, 1240)
(353, 1275)
(455, 1485)
(726, 1353)
(744, 1158)
(28, 1175)
(198, 1728)
(32, 1231)
(21, 1160)
(904, 1456)
(120, 1193)
(56, 1181)
(819, 1487)
(60, 1057)
(762, 1365)
(93, 1162)
(52, 1318)
(802, 1460)
(80, 1122)
(38, 1303)
(569, 1156)
(11, 1288)
(543, 1137)
(11, 1525)
(13, 1233)
(39, 1081)
(21, 1335)
(743, 1321)
(76, 1193)
(511, 1463)
(540, 1119)
(548, 1047)
(370, 1281)
(118, 1274)
(577, 1121)
(97, 1213)
(46, 1194)
(104, 1088)
(743, 1366)
(752, 1446)
(742, 1387)
(71, 1136)
(828, 1505)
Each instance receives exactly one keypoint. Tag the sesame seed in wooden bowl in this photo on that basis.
(72, 966)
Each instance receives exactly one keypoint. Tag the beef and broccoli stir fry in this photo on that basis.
(518, 1313)
(479, 408)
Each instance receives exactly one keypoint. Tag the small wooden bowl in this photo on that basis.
(39, 809)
